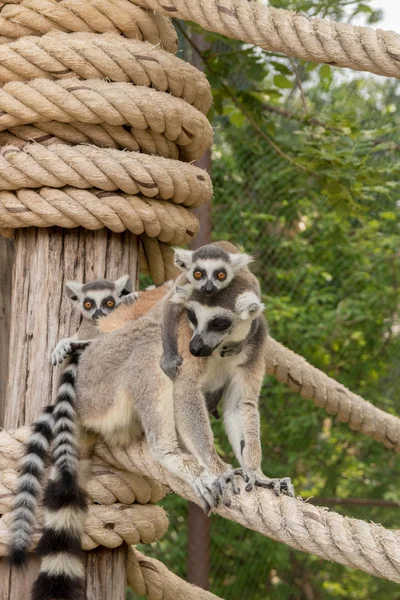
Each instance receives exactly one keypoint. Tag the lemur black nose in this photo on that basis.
(209, 287)
(97, 314)
(198, 348)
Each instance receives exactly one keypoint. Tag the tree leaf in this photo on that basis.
(282, 82)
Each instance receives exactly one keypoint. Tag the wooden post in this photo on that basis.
(40, 315)
(198, 546)
(6, 262)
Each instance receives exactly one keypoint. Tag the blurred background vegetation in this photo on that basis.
(305, 168)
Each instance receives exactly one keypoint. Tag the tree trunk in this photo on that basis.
(198, 550)
(41, 314)
(6, 262)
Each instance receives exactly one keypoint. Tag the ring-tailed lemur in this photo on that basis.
(94, 299)
(208, 269)
(122, 394)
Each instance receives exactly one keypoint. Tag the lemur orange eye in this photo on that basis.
(197, 274)
(87, 304)
(221, 275)
(110, 303)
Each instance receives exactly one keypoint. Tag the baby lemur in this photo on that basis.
(94, 299)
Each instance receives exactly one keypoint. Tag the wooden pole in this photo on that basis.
(6, 263)
(40, 315)
(198, 545)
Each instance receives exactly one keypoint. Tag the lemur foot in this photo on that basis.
(205, 493)
(254, 479)
(170, 365)
(130, 298)
(211, 490)
(230, 477)
(65, 347)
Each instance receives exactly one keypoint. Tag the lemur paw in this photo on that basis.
(277, 485)
(64, 348)
(254, 479)
(170, 365)
(231, 349)
(130, 298)
(60, 352)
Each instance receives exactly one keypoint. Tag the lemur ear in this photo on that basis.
(249, 306)
(183, 258)
(181, 294)
(123, 285)
(73, 289)
(240, 261)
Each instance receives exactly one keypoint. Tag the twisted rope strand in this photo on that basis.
(106, 136)
(108, 526)
(58, 55)
(117, 104)
(277, 30)
(335, 398)
(109, 170)
(37, 17)
(94, 209)
(151, 578)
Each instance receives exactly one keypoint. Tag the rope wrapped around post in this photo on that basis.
(61, 180)
(149, 577)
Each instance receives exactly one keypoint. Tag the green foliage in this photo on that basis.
(324, 225)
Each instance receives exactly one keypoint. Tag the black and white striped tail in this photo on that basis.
(29, 486)
(62, 572)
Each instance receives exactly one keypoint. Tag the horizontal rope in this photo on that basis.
(105, 169)
(36, 17)
(277, 30)
(335, 398)
(149, 577)
(95, 101)
(351, 542)
(94, 209)
(106, 136)
(59, 55)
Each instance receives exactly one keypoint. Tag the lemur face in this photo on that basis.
(215, 325)
(210, 269)
(100, 297)
(210, 276)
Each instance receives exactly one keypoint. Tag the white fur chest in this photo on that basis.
(220, 370)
